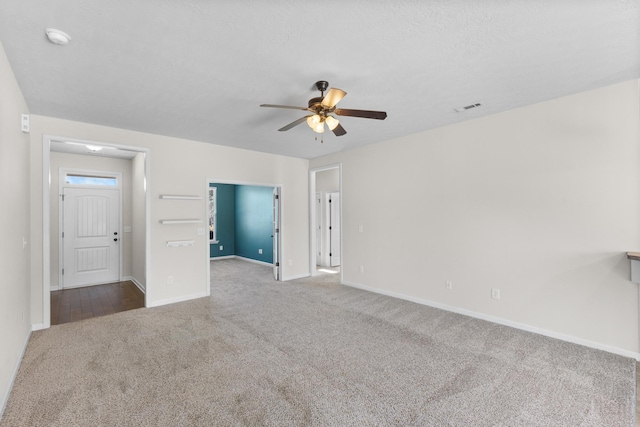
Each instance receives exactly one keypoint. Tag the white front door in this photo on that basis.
(334, 229)
(91, 236)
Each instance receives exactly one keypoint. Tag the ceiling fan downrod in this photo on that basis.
(322, 85)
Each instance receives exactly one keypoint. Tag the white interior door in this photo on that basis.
(334, 229)
(91, 236)
(276, 233)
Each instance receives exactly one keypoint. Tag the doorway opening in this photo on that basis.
(106, 222)
(244, 223)
(326, 218)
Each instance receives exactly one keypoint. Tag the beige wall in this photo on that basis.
(179, 166)
(98, 163)
(14, 227)
(138, 220)
(541, 202)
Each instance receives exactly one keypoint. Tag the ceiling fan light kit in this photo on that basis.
(322, 107)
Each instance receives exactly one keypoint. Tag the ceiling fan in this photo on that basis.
(322, 107)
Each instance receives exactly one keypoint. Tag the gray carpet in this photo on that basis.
(310, 352)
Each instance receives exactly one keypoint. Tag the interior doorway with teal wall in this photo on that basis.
(244, 222)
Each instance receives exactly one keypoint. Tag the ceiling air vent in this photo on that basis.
(467, 107)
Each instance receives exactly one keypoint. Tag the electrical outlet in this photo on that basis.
(361, 228)
(290, 262)
(260, 251)
(169, 280)
(448, 284)
(221, 247)
(362, 269)
(495, 293)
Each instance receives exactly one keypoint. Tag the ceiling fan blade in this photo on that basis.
(339, 130)
(294, 124)
(284, 106)
(333, 97)
(365, 114)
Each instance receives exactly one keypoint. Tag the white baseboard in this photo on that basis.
(7, 391)
(177, 299)
(215, 258)
(138, 284)
(54, 288)
(297, 276)
(38, 327)
(501, 321)
(255, 261)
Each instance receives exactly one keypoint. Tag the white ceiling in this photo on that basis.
(199, 69)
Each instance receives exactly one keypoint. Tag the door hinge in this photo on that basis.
(63, 234)
(329, 200)
(277, 230)
(329, 227)
(277, 264)
(62, 197)
(277, 196)
(330, 254)
(63, 271)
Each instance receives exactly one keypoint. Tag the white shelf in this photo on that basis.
(180, 221)
(179, 243)
(179, 197)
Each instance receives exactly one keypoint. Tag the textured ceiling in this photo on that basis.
(199, 69)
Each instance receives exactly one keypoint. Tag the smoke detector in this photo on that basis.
(57, 36)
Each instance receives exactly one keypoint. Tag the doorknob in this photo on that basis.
(115, 240)
(115, 233)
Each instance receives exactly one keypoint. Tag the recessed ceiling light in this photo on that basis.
(94, 148)
(57, 36)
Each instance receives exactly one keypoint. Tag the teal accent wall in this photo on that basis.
(245, 222)
(226, 229)
(254, 222)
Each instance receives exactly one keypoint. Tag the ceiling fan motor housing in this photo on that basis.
(315, 103)
(322, 85)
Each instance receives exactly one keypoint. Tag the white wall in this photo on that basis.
(14, 226)
(179, 166)
(98, 163)
(541, 202)
(139, 220)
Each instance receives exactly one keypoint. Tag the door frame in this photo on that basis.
(61, 185)
(313, 221)
(46, 218)
(277, 256)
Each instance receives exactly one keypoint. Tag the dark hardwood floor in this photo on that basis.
(71, 305)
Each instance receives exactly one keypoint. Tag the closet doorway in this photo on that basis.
(326, 219)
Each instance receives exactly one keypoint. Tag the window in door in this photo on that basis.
(83, 179)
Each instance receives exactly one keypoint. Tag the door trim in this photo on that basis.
(61, 185)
